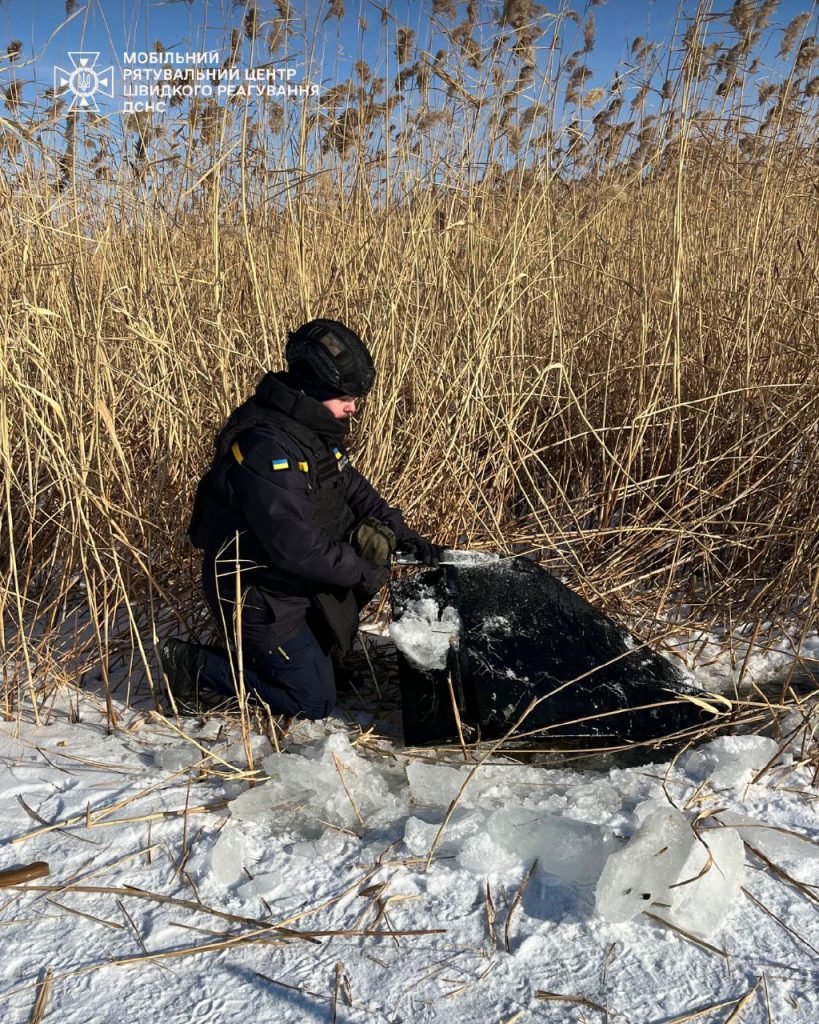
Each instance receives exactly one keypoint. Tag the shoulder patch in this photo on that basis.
(276, 464)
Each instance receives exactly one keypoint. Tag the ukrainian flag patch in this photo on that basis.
(280, 464)
(341, 458)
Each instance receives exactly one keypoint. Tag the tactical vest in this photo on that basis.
(214, 518)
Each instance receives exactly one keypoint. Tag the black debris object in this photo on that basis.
(523, 634)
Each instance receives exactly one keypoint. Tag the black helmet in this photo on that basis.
(328, 360)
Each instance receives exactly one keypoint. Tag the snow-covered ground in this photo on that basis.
(329, 890)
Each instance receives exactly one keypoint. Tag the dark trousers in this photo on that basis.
(293, 676)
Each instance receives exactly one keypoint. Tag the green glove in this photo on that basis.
(374, 541)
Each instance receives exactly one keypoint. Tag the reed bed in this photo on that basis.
(594, 311)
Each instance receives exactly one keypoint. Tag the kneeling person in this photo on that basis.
(295, 540)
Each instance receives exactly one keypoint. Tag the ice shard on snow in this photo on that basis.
(645, 869)
(506, 633)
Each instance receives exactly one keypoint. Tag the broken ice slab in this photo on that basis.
(331, 782)
(254, 803)
(425, 633)
(227, 856)
(730, 762)
(524, 637)
(173, 759)
(643, 871)
(709, 883)
(482, 855)
(419, 835)
(785, 847)
(572, 850)
(434, 784)
(260, 885)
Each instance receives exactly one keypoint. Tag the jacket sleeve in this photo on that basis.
(364, 500)
(278, 510)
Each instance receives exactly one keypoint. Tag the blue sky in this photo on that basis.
(114, 26)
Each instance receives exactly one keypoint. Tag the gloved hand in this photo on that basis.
(374, 541)
(422, 549)
(374, 579)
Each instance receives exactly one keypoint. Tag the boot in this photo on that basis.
(180, 663)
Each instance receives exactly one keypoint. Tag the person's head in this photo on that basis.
(330, 363)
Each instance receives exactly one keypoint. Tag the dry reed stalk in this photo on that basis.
(557, 997)
(521, 891)
(38, 1011)
(456, 714)
(340, 770)
(17, 876)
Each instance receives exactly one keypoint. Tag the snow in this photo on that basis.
(333, 834)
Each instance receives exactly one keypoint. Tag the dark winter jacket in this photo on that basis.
(282, 478)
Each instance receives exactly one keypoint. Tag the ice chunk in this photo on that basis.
(325, 848)
(481, 855)
(260, 885)
(700, 902)
(573, 850)
(236, 754)
(173, 759)
(593, 801)
(730, 761)
(424, 635)
(227, 856)
(434, 784)
(331, 782)
(420, 835)
(642, 872)
(779, 845)
(210, 729)
(254, 803)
